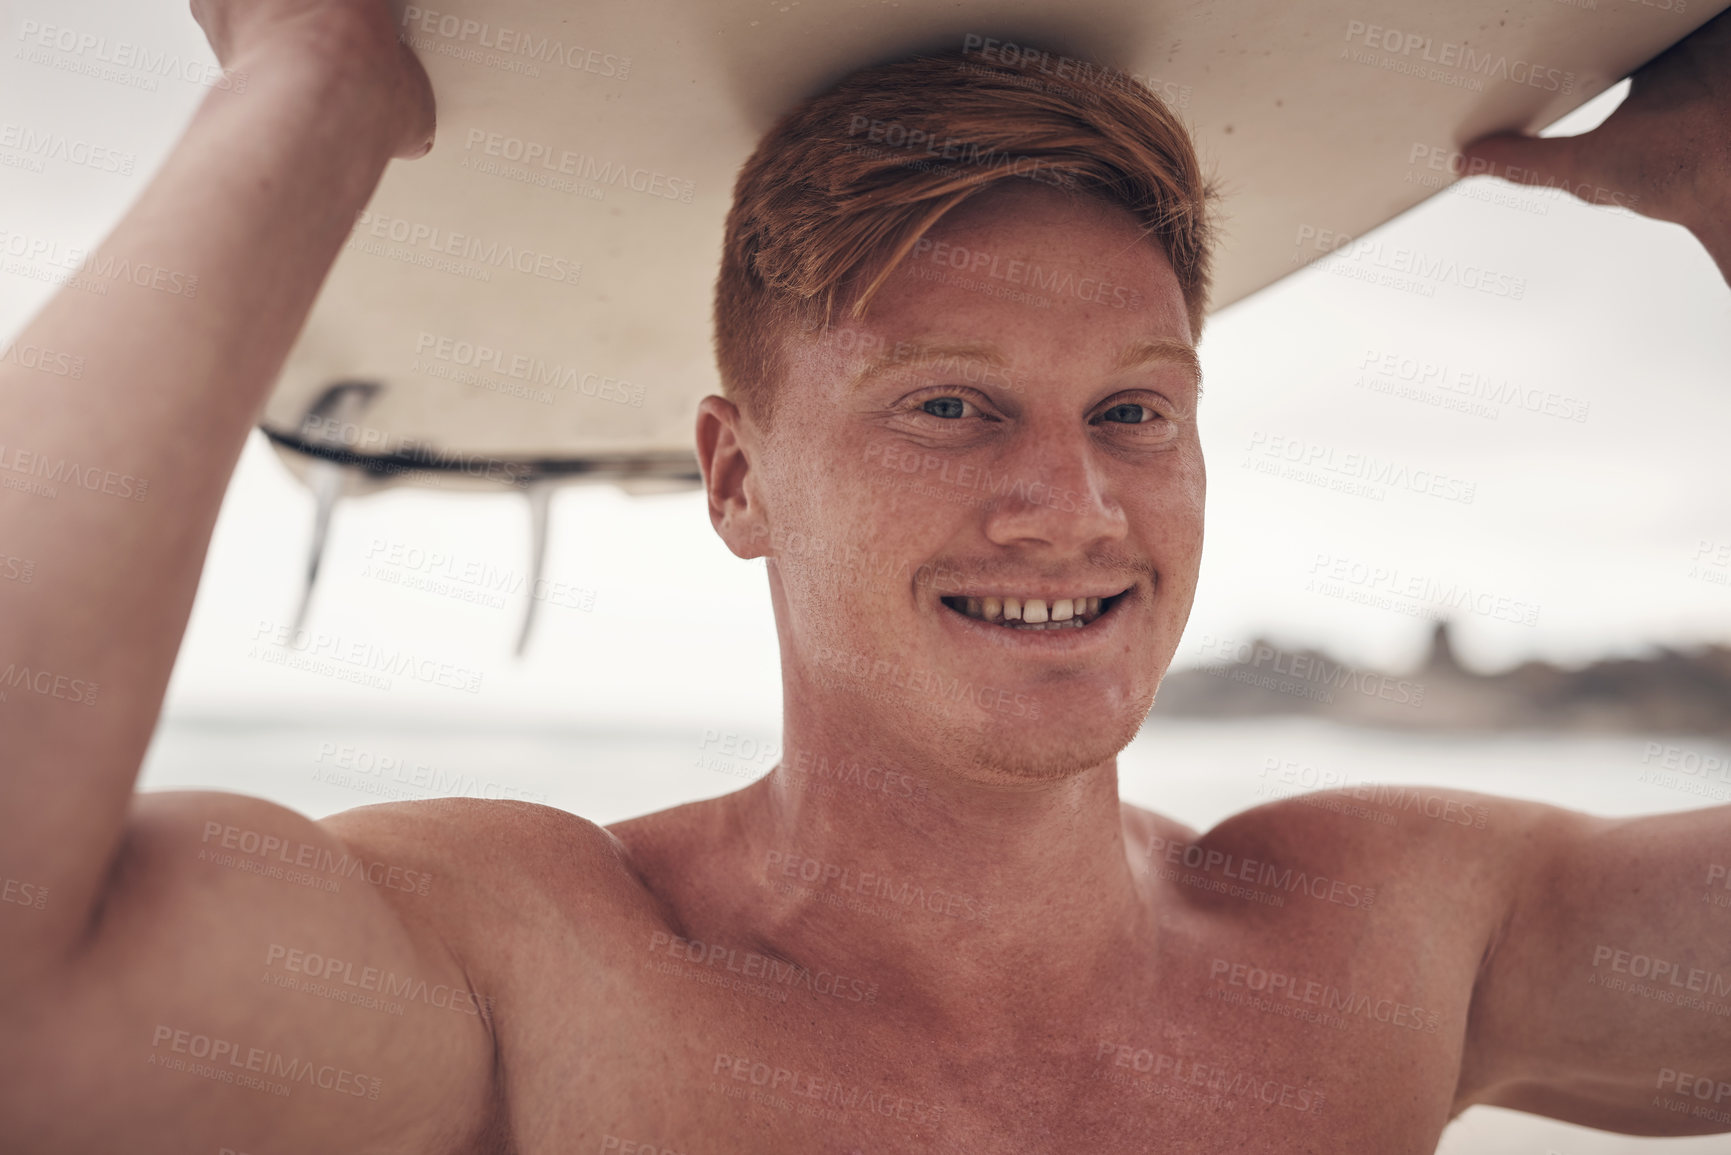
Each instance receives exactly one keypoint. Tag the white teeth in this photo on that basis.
(1030, 613)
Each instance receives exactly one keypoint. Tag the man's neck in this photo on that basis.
(921, 880)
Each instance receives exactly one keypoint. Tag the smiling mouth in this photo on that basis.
(1035, 613)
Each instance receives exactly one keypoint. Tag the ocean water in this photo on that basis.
(1196, 771)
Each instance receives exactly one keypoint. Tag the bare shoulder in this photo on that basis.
(1405, 821)
(495, 860)
(1431, 848)
(467, 827)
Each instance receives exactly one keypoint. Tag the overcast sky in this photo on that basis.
(1582, 536)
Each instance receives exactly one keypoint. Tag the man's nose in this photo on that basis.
(1053, 492)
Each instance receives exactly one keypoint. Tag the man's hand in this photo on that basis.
(1665, 152)
(360, 32)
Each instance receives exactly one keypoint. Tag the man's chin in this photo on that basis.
(1039, 750)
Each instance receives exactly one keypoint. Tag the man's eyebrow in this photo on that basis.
(907, 354)
(1157, 350)
(1138, 355)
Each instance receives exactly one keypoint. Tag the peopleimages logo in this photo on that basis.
(23, 893)
(763, 968)
(1390, 587)
(965, 479)
(1368, 259)
(1221, 1078)
(46, 683)
(1418, 48)
(89, 267)
(1303, 778)
(1260, 872)
(1064, 72)
(100, 50)
(1225, 656)
(1362, 469)
(320, 652)
(917, 685)
(514, 42)
(532, 154)
(953, 149)
(40, 145)
(369, 980)
(1060, 282)
(776, 1081)
(463, 248)
(310, 856)
(1468, 383)
(1671, 973)
(1439, 160)
(247, 1066)
(535, 371)
(29, 356)
(869, 884)
(1333, 1000)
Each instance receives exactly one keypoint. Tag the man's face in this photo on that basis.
(1011, 429)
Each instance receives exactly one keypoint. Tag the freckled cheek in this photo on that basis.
(1189, 493)
(817, 481)
(1168, 511)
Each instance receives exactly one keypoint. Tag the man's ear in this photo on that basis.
(722, 454)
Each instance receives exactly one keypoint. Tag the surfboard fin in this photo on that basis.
(540, 495)
(337, 407)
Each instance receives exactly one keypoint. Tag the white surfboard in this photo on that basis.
(530, 304)
(532, 299)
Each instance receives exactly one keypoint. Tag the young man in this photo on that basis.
(209, 972)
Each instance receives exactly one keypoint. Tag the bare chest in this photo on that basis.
(1240, 1041)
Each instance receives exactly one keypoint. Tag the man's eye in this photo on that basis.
(1130, 414)
(950, 408)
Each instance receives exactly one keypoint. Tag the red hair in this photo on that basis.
(844, 185)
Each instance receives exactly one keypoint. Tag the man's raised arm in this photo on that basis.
(254, 202)
(1606, 998)
(166, 960)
